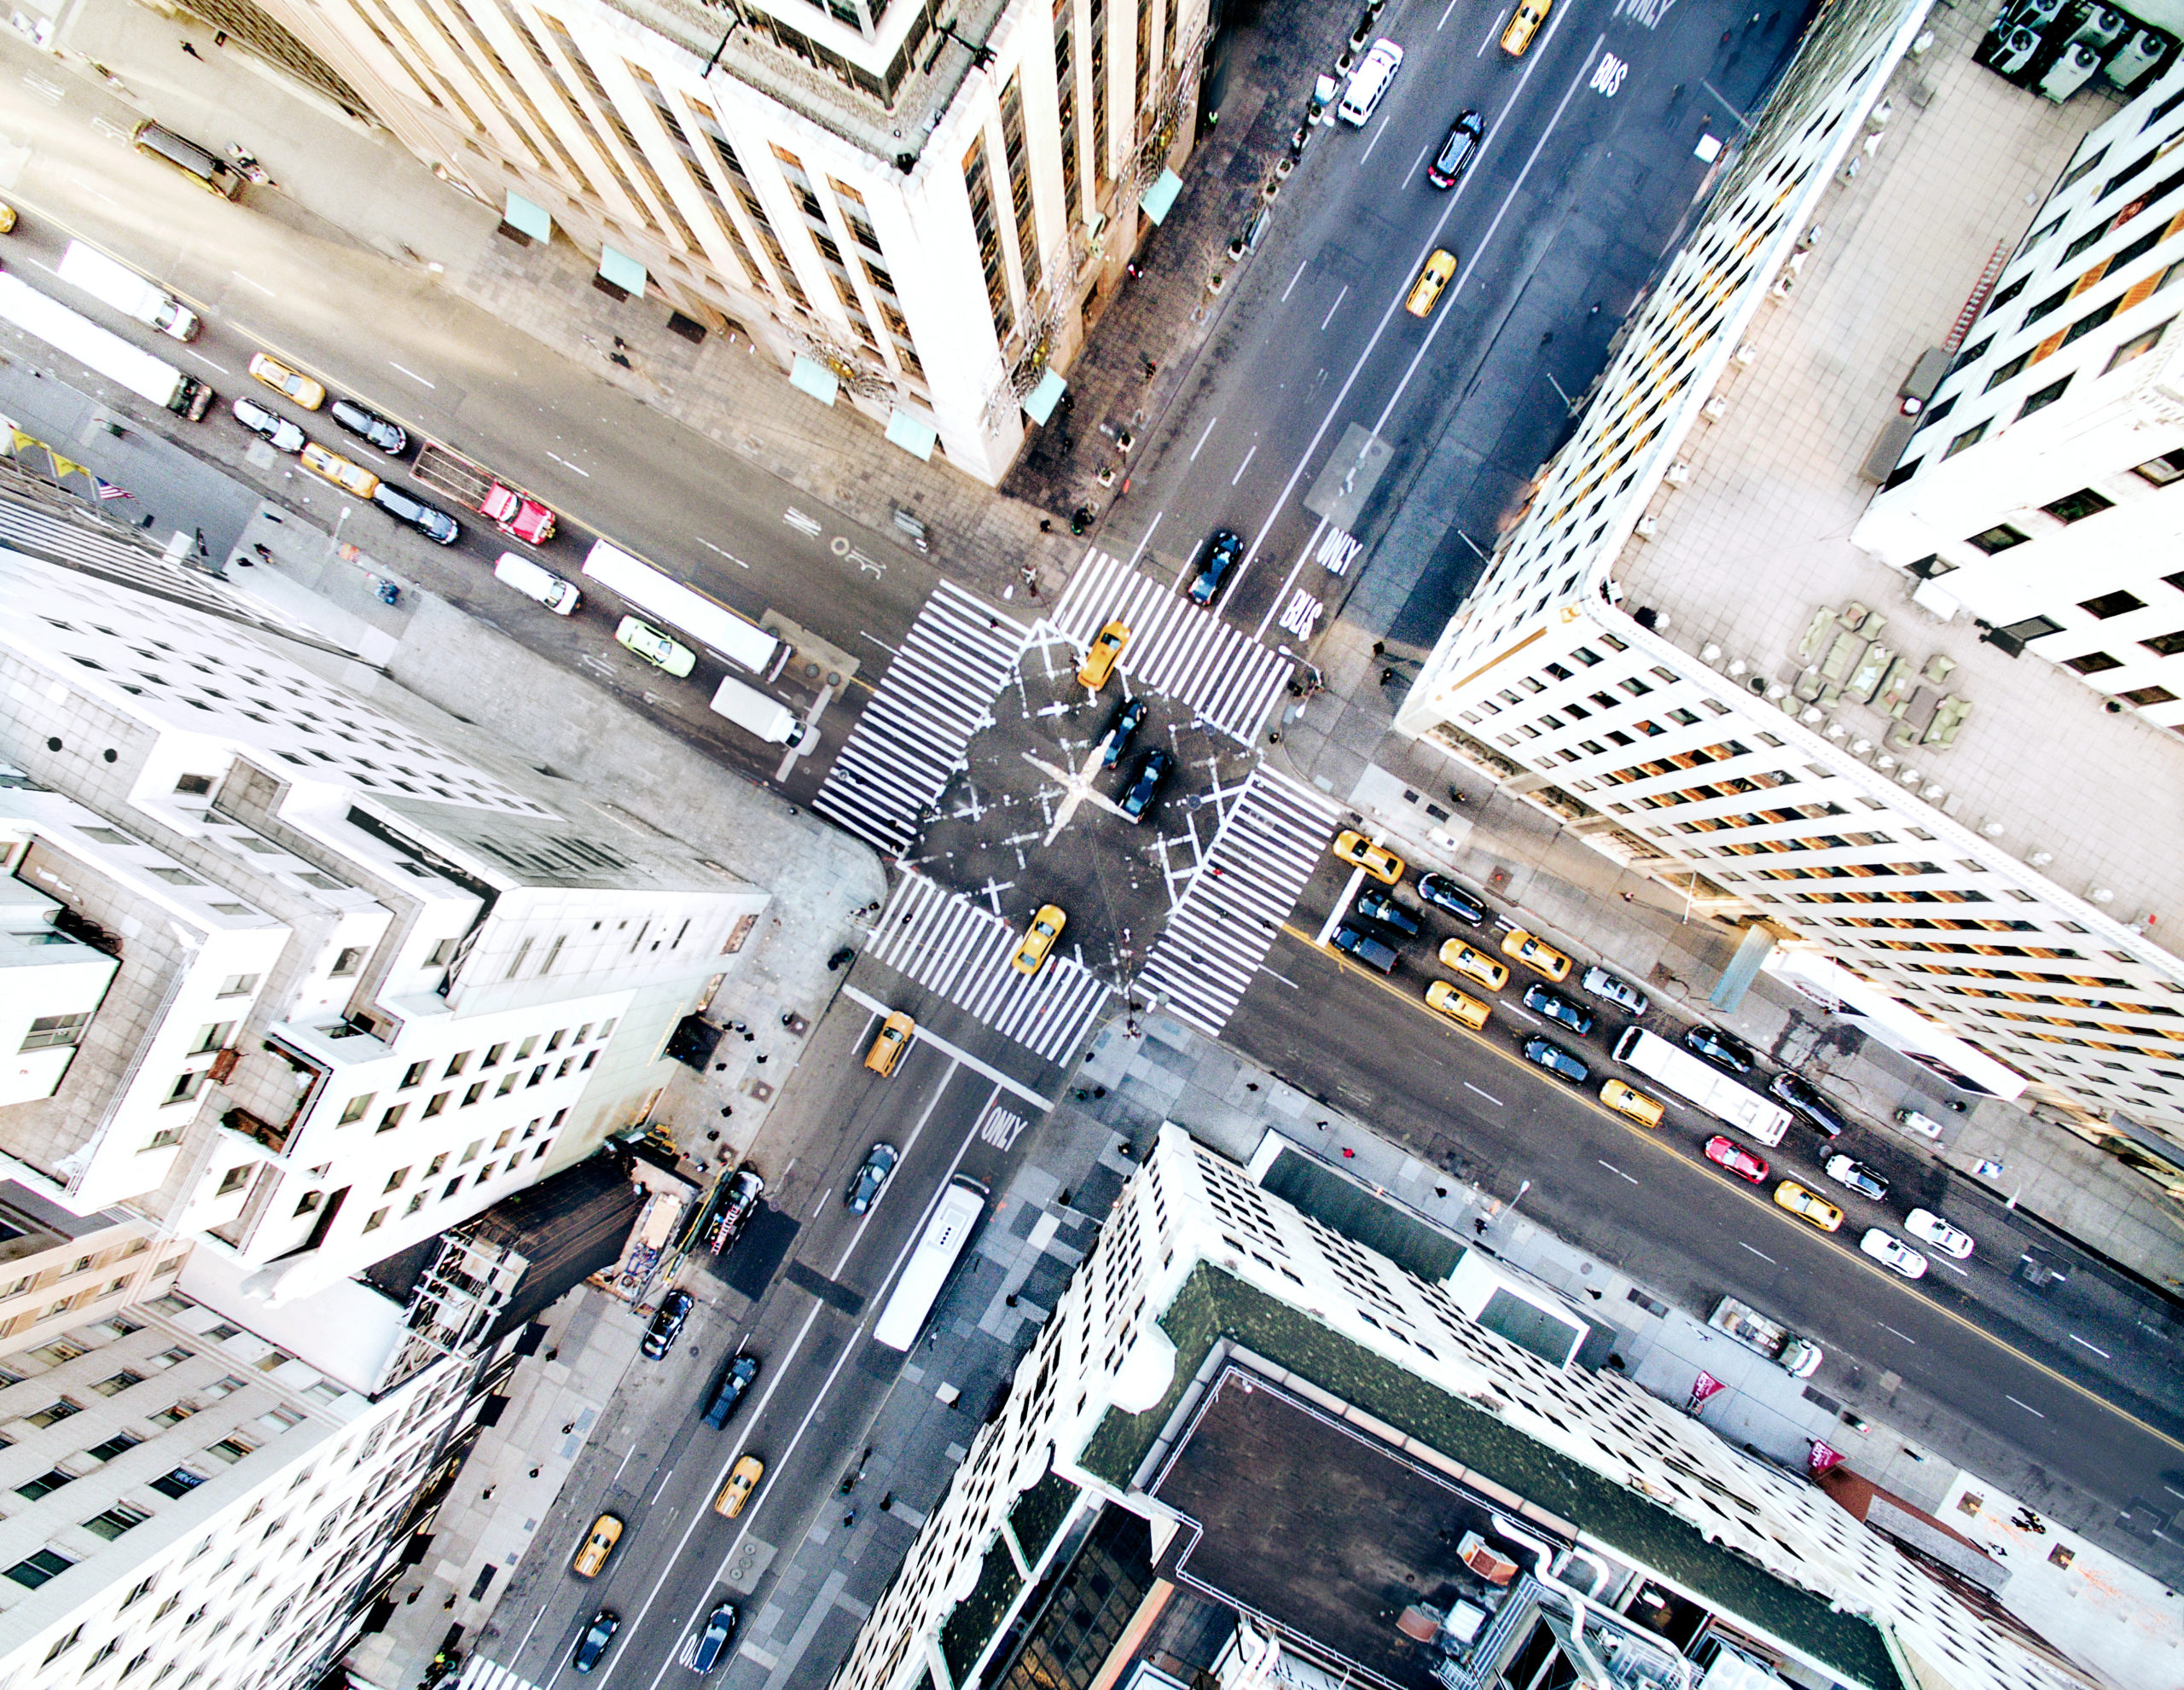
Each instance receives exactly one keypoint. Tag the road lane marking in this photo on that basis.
(1762, 1254)
(626, 1454)
(1905, 1336)
(209, 364)
(1145, 538)
(1612, 1169)
(1208, 435)
(1419, 160)
(1301, 263)
(2095, 1348)
(1443, 24)
(413, 376)
(716, 551)
(565, 464)
(1295, 570)
(1381, 130)
(1329, 318)
(1488, 1095)
(865, 1000)
(1244, 465)
(248, 282)
(527, 1630)
(662, 1485)
(1493, 34)
(2026, 1406)
(1522, 1014)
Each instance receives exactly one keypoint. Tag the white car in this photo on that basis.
(1893, 1253)
(1928, 1227)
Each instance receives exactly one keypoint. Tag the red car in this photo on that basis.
(1736, 1158)
(518, 518)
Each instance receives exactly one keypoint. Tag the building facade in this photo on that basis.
(2034, 491)
(907, 212)
(1198, 1271)
(357, 983)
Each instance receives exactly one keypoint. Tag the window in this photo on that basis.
(2165, 645)
(309, 1201)
(354, 1109)
(238, 985)
(347, 961)
(211, 1036)
(172, 1415)
(35, 1570)
(118, 1444)
(493, 1056)
(114, 1521)
(2084, 241)
(2003, 372)
(52, 1413)
(2136, 347)
(442, 954)
(477, 1091)
(375, 1220)
(232, 1180)
(67, 1642)
(455, 1065)
(413, 1075)
(2163, 470)
(2092, 320)
(1999, 538)
(1970, 437)
(397, 1179)
(2117, 603)
(48, 1032)
(470, 1154)
(231, 1450)
(44, 1485)
(2040, 401)
(2084, 167)
(523, 1051)
(392, 1118)
(2077, 506)
(2146, 697)
(114, 1384)
(436, 1103)
(195, 786)
(186, 1084)
(439, 1163)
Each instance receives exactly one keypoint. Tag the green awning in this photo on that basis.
(1039, 403)
(812, 377)
(623, 270)
(532, 219)
(914, 434)
(1157, 201)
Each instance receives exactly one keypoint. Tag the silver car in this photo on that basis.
(1600, 983)
(275, 430)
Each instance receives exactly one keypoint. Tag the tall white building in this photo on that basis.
(1201, 1282)
(908, 203)
(324, 986)
(1677, 654)
(2035, 493)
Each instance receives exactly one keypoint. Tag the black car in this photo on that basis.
(1356, 943)
(1138, 801)
(1378, 906)
(741, 1370)
(1802, 1096)
(429, 520)
(1221, 555)
(1557, 1008)
(870, 1179)
(1128, 715)
(1457, 152)
(718, 1630)
(1559, 1062)
(736, 1202)
(667, 1324)
(1443, 893)
(1723, 1050)
(592, 1646)
(369, 425)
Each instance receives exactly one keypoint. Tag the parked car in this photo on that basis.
(290, 384)
(1558, 1008)
(277, 432)
(1925, 1125)
(1928, 1227)
(871, 1178)
(350, 478)
(1598, 983)
(518, 517)
(662, 650)
(1443, 893)
(1473, 964)
(1378, 906)
(1128, 715)
(1360, 852)
(1562, 1063)
(667, 1324)
(739, 1201)
(1726, 1152)
(1810, 1102)
(1457, 152)
(1808, 1206)
(1101, 655)
(719, 1628)
(1221, 555)
(369, 425)
(1536, 953)
(1644, 1110)
(1137, 802)
(1356, 943)
(728, 1394)
(591, 1647)
(1723, 1050)
(430, 520)
(1038, 939)
(1845, 1170)
(1893, 1253)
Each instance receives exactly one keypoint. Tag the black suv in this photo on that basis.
(369, 425)
(667, 1324)
(1802, 1096)
(1723, 1050)
(1443, 893)
(1379, 906)
(432, 522)
(741, 1370)
(1138, 801)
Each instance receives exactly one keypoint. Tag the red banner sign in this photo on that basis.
(1706, 1386)
(1822, 1458)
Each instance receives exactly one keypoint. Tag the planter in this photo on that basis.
(1342, 65)
(1283, 166)
(1216, 282)
(1273, 187)
(1236, 248)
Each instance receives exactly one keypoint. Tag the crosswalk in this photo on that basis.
(1268, 843)
(1176, 649)
(937, 694)
(949, 945)
(481, 1674)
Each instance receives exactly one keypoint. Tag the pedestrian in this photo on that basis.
(486, 1494)
(1386, 676)
(1046, 525)
(534, 1473)
(262, 549)
(850, 1518)
(1250, 1085)
(619, 343)
(569, 1428)
(1349, 1152)
(1478, 1226)
(193, 52)
(1099, 1091)
(616, 358)
(1629, 897)
(1440, 1191)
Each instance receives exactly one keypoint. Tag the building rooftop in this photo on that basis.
(1755, 542)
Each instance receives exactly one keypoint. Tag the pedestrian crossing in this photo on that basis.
(949, 945)
(937, 694)
(1176, 649)
(1267, 846)
(481, 1674)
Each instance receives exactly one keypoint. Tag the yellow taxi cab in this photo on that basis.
(1536, 953)
(1099, 658)
(598, 1544)
(1465, 1012)
(1046, 927)
(290, 385)
(1530, 15)
(1640, 1108)
(1426, 290)
(1474, 964)
(1378, 861)
(1808, 1206)
(350, 478)
(888, 1048)
(742, 1479)
(7, 220)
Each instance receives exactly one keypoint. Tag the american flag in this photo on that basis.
(108, 490)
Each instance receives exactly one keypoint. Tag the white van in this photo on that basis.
(128, 293)
(1368, 82)
(533, 582)
(757, 712)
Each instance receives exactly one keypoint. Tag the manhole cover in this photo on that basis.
(759, 1089)
(810, 670)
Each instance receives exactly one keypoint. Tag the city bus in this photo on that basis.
(742, 641)
(937, 1250)
(101, 352)
(1676, 1069)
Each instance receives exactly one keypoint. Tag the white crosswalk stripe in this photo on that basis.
(1176, 649)
(481, 1674)
(937, 694)
(1268, 843)
(949, 945)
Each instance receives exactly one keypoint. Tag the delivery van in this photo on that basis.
(757, 712)
(128, 293)
(533, 582)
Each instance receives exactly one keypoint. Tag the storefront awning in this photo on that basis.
(810, 376)
(1039, 403)
(623, 270)
(532, 219)
(914, 434)
(1156, 202)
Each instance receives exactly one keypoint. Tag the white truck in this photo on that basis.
(1799, 1357)
(757, 712)
(117, 285)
